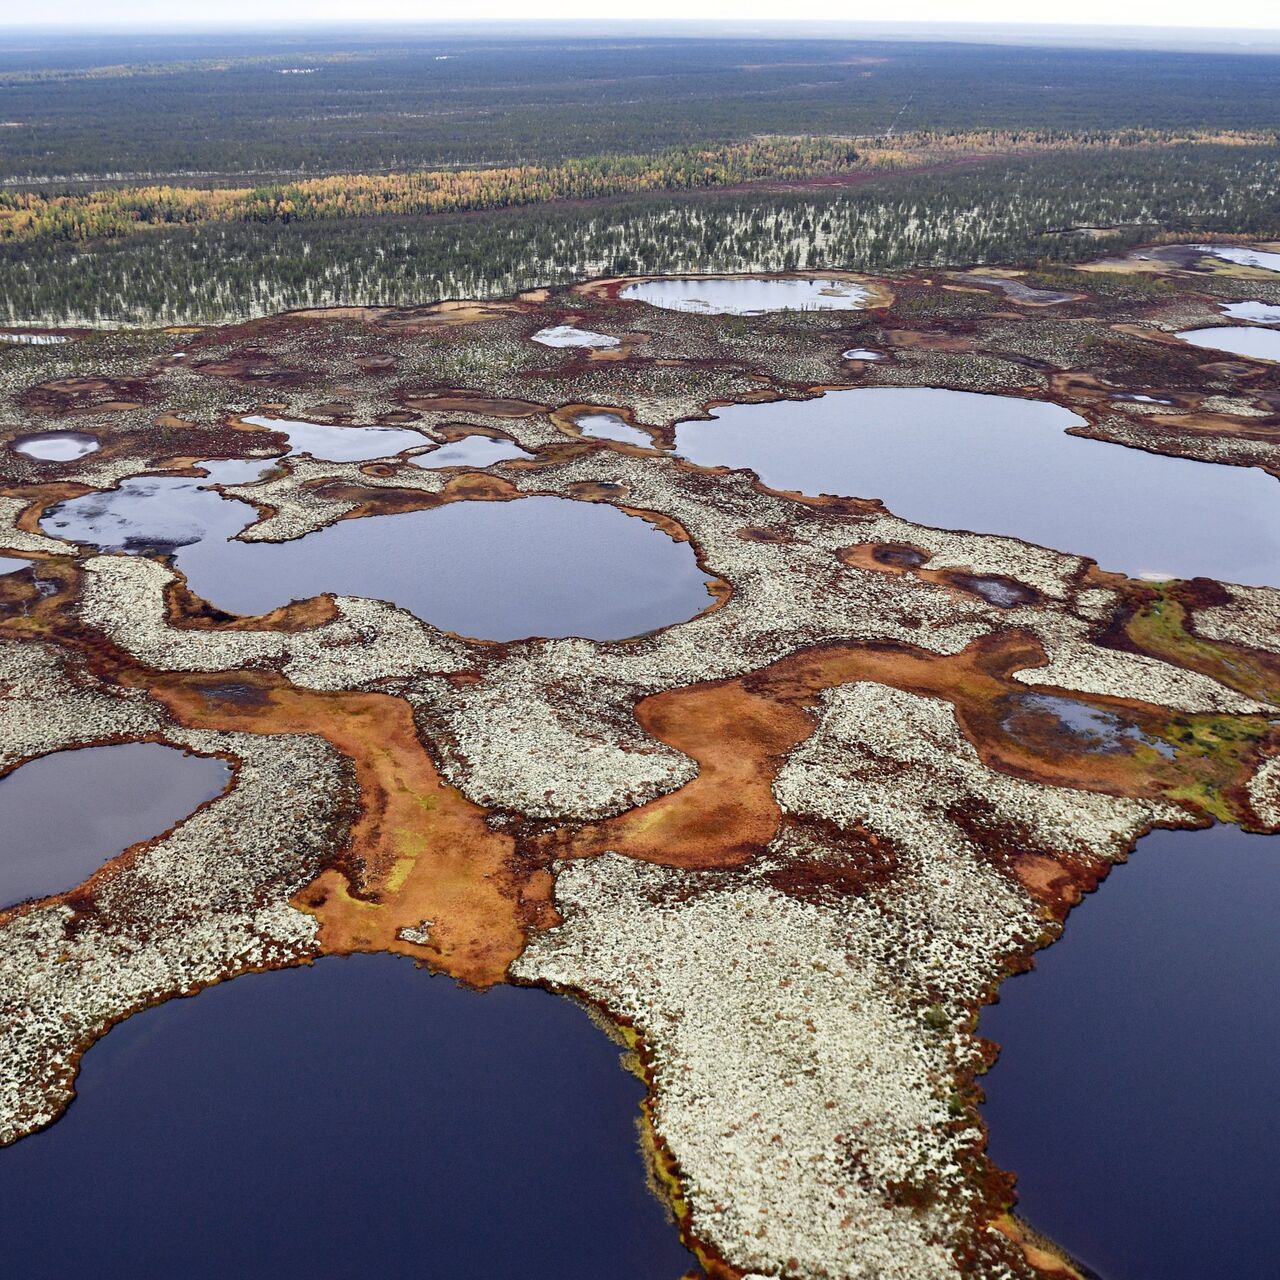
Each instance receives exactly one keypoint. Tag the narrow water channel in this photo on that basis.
(1135, 1092)
(355, 1119)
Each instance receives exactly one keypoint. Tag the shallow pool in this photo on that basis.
(1259, 312)
(1237, 340)
(567, 335)
(332, 443)
(609, 426)
(470, 451)
(747, 295)
(56, 446)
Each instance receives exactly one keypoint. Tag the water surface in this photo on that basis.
(1238, 340)
(355, 1119)
(493, 570)
(1242, 255)
(34, 339)
(56, 446)
(862, 353)
(567, 335)
(11, 564)
(1260, 312)
(64, 815)
(997, 464)
(236, 470)
(747, 295)
(609, 426)
(470, 451)
(331, 443)
(149, 513)
(1135, 1093)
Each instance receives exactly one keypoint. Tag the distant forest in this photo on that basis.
(319, 103)
(1033, 211)
(165, 179)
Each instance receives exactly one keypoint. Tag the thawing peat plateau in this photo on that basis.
(774, 702)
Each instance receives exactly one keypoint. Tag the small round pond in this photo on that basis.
(567, 335)
(493, 570)
(1135, 1096)
(747, 295)
(358, 1118)
(64, 815)
(56, 446)
(997, 464)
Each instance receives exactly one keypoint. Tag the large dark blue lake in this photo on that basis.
(356, 1119)
(1135, 1093)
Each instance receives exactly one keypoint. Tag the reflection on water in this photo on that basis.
(1086, 728)
(493, 570)
(65, 814)
(56, 446)
(357, 1118)
(566, 335)
(470, 451)
(11, 564)
(1242, 255)
(996, 464)
(149, 513)
(1135, 1094)
(1259, 312)
(1238, 340)
(608, 426)
(236, 470)
(747, 295)
(332, 443)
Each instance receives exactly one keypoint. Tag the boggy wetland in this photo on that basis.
(768, 676)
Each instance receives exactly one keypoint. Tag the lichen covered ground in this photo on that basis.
(789, 847)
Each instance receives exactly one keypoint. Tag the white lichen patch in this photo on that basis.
(1251, 618)
(797, 1082)
(893, 763)
(15, 539)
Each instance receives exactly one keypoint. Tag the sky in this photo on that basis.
(1256, 14)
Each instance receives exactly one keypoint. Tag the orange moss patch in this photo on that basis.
(39, 498)
(740, 731)
(420, 851)
(187, 611)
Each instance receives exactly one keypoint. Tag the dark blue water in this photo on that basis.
(539, 566)
(359, 1119)
(1135, 1095)
(62, 816)
(999, 464)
